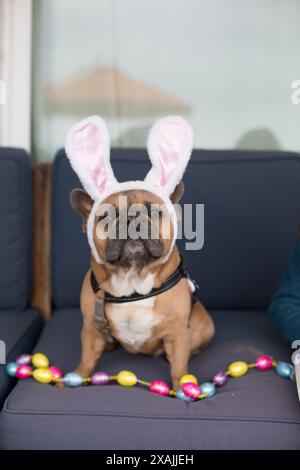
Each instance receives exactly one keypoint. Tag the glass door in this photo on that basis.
(227, 67)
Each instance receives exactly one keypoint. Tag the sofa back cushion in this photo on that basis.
(252, 210)
(15, 229)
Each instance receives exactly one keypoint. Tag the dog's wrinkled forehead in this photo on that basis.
(88, 149)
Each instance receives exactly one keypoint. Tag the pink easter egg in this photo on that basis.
(263, 363)
(23, 372)
(191, 390)
(56, 372)
(159, 387)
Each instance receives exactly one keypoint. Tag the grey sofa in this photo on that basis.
(19, 325)
(252, 209)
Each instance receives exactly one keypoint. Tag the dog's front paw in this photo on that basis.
(176, 384)
(83, 371)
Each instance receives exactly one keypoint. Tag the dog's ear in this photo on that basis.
(177, 193)
(81, 203)
(169, 146)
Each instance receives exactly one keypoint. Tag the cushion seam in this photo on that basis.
(137, 416)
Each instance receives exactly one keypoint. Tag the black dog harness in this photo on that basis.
(172, 280)
(100, 316)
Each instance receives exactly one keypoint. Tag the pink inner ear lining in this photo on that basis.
(87, 147)
(172, 139)
(175, 135)
(87, 138)
(100, 178)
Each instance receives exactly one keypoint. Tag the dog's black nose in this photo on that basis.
(113, 250)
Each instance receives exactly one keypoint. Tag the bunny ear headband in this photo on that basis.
(169, 147)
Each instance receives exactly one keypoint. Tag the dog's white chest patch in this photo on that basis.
(133, 321)
(130, 282)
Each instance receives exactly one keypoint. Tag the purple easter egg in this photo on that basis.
(219, 379)
(100, 378)
(24, 359)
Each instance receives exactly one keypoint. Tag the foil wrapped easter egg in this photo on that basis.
(39, 360)
(73, 379)
(208, 389)
(126, 378)
(56, 372)
(159, 387)
(43, 375)
(191, 390)
(285, 370)
(24, 359)
(100, 378)
(219, 378)
(264, 363)
(11, 368)
(237, 369)
(23, 372)
(182, 396)
(188, 378)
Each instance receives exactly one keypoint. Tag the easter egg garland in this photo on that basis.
(38, 367)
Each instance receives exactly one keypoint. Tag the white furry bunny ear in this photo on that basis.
(87, 147)
(169, 146)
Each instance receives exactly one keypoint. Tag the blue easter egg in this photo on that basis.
(285, 370)
(72, 379)
(182, 396)
(11, 368)
(208, 389)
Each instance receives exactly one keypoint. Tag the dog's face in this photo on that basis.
(132, 229)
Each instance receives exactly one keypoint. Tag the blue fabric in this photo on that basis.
(16, 229)
(257, 411)
(69, 247)
(19, 330)
(252, 208)
(284, 310)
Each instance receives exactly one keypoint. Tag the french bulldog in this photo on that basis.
(130, 269)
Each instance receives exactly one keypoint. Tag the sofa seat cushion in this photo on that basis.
(19, 331)
(257, 411)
